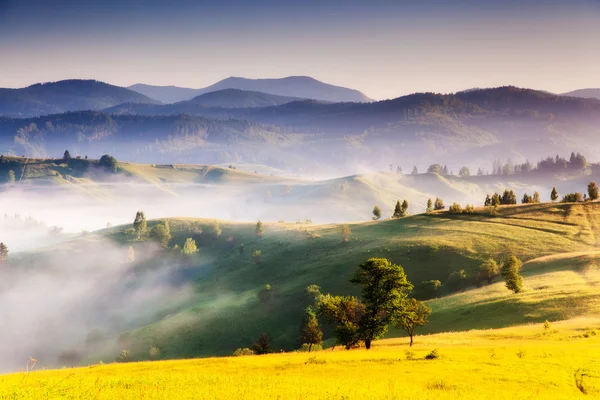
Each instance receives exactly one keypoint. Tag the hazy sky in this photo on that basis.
(384, 48)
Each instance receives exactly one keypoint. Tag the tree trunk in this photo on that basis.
(309, 347)
(368, 343)
(411, 339)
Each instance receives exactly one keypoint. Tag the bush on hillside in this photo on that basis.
(572, 198)
(243, 352)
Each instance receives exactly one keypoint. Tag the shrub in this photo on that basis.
(469, 209)
(154, 352)
(125, 356)
(572, 198)
(455, 208)
(410, 355)
(438, 204)
(457, 280)
(433, 355)
(243, 352)
(426, 290)
(307, 347)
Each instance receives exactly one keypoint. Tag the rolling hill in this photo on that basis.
(210, 104)
(215, 304)
(292, 86)
(63, 96)
(585, 93)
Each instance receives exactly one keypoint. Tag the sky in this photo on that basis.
(384, 48)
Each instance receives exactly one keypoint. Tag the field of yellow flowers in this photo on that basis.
(559, 361)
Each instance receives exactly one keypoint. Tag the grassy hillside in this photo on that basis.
(227, 313)
(516, 363)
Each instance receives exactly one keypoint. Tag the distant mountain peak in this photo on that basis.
(304, 87)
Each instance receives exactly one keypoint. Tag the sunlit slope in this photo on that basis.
(523, 362)
(228, 313)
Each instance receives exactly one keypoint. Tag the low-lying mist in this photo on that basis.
(75, 298)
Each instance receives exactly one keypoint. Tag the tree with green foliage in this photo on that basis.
(345, 312)
(536, 197)
(429, 206)
(415, 314)
(260, 229)
(346, 233)
(435, 169)
(593, 191)
(464, 172)
(263, 344)
(189, 247)
(404, 208)
(256, 255)
(376, 213)
(508, 197)
(426, 290)
(488, 270)
(572, 198)
(526, 199)
(439, 204)
(457, 280)
(455, 208)
(510, 272)
(215, 230)
(265, 294)
(488, 201)
(140, 224)
(554, 194)
(3, 253)
(384, 295)
(397, 210)
(67, 156)
(108, 162)
(310, 332)
(161, 233)
(11, 177)
(495, 200)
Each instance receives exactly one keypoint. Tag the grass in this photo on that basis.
(226, 313)
(512, 363)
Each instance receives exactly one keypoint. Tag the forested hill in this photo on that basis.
(469, 128)
(67, 95)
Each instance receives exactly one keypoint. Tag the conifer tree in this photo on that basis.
(554, 194)
(429, 206)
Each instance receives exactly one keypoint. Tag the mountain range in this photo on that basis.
(292, 86)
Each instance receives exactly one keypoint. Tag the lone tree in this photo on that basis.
(439, 204)
(593, 191)
(384, 296)
(310, 332)
(376, 213)
(416, 314)
(415, 171)
(189, 247)
(108, 162)
(263, 344)
(464, 172)
(554, 194)
(429, 206)
(67, 156)
(139, 224)
(3, 253)
(397, 210)
(510, 272)
(161, 233)
(488, 270)
(346, 233)
(260, 229)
